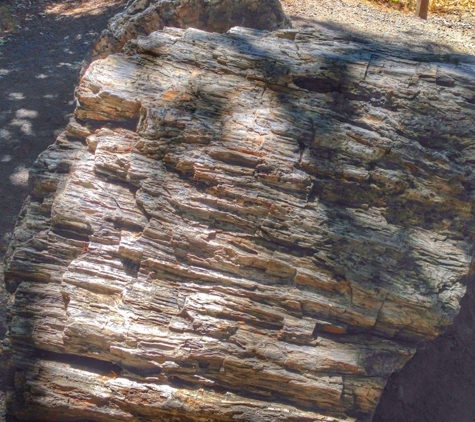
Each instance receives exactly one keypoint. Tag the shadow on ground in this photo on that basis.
(437, 385)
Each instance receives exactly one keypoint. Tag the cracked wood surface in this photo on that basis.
(246, 226)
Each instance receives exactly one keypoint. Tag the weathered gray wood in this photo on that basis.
(141, 17)
(246, 226)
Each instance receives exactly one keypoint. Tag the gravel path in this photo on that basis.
(454, 33)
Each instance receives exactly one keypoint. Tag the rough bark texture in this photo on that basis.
(251, 226)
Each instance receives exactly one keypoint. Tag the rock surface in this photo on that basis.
(141, 17)
(251, 226)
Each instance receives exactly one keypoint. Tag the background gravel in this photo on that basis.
(448, 33)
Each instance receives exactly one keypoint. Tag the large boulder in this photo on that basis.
(246, 226)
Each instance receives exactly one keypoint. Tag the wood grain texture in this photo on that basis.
(246, 226)
(141, 17)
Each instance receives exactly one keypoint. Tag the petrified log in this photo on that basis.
(246, 226)
(141, 17)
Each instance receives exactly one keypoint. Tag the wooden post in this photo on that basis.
(422, 8)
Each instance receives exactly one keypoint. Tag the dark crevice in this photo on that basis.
(432, 142)
(131, 267)
(69, 234)
(143, 211)
(125, 224)
(89, 364)
(144, 372)
(127, 123)
(319, 85)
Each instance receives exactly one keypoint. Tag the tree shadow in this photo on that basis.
(436, 384)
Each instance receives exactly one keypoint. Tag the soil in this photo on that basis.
(42, 45)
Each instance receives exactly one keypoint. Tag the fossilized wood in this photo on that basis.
(250, 226)
(141, 17)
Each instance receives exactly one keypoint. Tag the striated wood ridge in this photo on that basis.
(246, 226)
(141, 17)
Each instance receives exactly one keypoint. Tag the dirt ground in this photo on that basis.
(42, 44)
